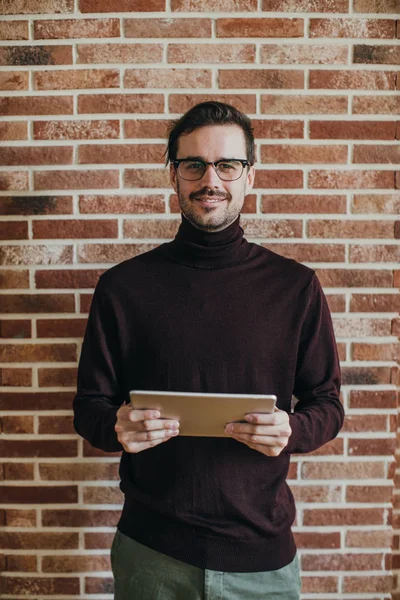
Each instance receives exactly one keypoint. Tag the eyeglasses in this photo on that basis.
(227, 170)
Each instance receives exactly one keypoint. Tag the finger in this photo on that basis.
(270, 430)
(161, 424)
(143, 415)
(261, 440)
(136, 447)
(275, 418)
(157, 434)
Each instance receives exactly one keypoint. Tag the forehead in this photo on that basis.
(213, 142)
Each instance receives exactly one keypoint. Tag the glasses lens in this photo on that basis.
(229, 170)
(191, 169)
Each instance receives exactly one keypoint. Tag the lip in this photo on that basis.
(209, 200)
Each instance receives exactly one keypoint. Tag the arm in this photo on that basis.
(98, 395)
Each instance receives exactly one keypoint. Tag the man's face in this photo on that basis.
(197, 199)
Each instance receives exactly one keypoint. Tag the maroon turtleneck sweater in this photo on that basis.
(210, 312)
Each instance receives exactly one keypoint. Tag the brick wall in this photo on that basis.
(88, 93)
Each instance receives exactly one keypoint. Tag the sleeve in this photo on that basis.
(318, 415)
(98, 395)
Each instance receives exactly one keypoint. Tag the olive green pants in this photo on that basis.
(141, 573)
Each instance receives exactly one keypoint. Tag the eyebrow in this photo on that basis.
(203, 159)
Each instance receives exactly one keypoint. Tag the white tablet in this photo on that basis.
(202, 414)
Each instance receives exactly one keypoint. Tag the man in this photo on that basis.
(208, 518)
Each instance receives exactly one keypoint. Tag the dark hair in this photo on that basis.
(209, 113)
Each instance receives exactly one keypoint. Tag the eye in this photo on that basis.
(193, 165)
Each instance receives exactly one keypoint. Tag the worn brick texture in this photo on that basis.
(88, 88)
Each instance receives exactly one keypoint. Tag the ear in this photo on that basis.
(172, 177)
(250, 179)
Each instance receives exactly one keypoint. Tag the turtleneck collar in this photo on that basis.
(203, 249)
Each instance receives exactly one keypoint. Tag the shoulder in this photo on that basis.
(287, 268)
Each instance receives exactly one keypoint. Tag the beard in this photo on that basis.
(208, 218)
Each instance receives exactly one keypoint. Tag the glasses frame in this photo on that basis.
(178, 161)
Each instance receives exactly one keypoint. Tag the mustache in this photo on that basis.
(206, 191)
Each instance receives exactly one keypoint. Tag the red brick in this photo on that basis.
(76, 79)
(376, 6)
(14, 279)
(121, 103)
(368, 539)
(353, 28)
(303, 204)
(342, 471)
(121, 153)
(99, 585)
(37, 303)
(164, 229)
(303, 104)
(39, 448)
(278, 179)
(369, 493)
(38, 6)
(36, 105)
(375, 303)
(353, 80)
(374, 253)
(41, 585)
(48, 328)
(73, 278)
(36, 400)
(142, 178)
(36, 155)
(324, 584)
(16, 424)
(56, 425)
(355, 278)
(272, 228)
(14, 80)
(15, 472)
(167, 28)
(14, 180)
(343, 516)
(371, 399)
(324, 228)
(119, 53)
(351, 179)
(311, 253)
(306, 5)
(109, 253)
(20, 518)
(14, 30)
(25, 564)
(211, 53)
(18, 328)
(370, 583)
(372, 447)
(319, 493)
(357, 423)
(259, 27)
(13, 130)
(36, 55)
(363, 326)
(38, 352)
(57, 377)
(75, 130)
(317, 540)
(260, 78)
(35, 205)
(167, 78)
(76, 563)
(376, 105)
(304, 54)
(121, 204)
(180, 103)
(39, 495)
(340, 562)
(101, 228)
(79, 471)
(387, 154)
(214, 5)
(101, 495)
(28, 255)
(146, 128)
(80, 518)
(357, 130)
(16, 377)
(69, 180)
(277, 129)
(376, 203)
(376, 351)
(94, 6)
(75, 28)
(300, 154)
(381, 55)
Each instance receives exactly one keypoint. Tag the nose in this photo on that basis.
(210, 177)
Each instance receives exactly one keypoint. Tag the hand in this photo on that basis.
(266, 433)
(142, 429)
